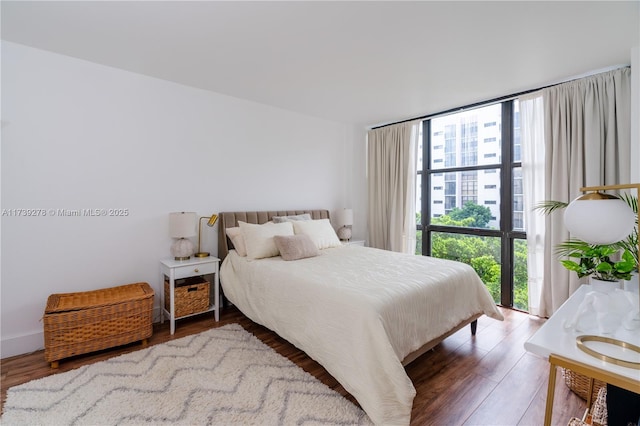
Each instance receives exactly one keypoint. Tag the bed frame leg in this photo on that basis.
(474, 327)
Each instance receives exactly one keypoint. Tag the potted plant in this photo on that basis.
(597, 261)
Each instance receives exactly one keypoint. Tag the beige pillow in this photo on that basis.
(236, 238)
(321, 232)
(294, 247)
(258, 239)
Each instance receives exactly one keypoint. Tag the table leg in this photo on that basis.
(162, 297)
(172, 302)
(550, 394)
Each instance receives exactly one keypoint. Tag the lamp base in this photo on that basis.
(344, 233)
(182, 249)
(202, 254)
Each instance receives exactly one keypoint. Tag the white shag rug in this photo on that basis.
(223, 376)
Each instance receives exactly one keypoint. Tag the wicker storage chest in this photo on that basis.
(191, 296)
(78, 323)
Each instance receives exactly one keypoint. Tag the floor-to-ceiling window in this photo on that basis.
(469, 196)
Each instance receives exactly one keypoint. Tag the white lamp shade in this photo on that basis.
(599, 221)
(182, 224)
(344, 217)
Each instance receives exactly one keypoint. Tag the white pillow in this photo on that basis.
(258, 239)
(321, 232)
(238, 240)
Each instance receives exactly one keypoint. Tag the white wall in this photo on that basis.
(356, 180)
(77, 135)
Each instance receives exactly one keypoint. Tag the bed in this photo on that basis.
(362, 313)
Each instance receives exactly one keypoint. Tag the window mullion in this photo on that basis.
(506, 206)
(426, 186)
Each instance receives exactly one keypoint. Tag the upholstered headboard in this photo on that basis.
(230, 219)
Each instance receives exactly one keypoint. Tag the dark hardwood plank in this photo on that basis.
(565, 405)
(502, 358)
(513, 394)
(482, 379)
(451, 390)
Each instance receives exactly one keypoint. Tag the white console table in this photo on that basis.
(558, 344)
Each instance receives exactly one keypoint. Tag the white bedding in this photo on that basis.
(359, 311)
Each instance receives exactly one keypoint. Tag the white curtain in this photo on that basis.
(391, 181)
(586, 140)
(533, 184)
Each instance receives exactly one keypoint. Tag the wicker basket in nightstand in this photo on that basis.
(191, 296)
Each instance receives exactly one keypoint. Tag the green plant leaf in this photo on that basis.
(571, 265)
(604, 267)
(628, 257)
(548, 207)
(571, 246)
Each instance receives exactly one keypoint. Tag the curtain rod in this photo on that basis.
(501, 98)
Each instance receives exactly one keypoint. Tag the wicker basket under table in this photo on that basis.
(78, 323)
(579, 384)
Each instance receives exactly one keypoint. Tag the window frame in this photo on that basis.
(506, 165)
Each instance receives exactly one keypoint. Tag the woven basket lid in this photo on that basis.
(65, 302)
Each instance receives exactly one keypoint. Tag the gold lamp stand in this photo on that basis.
(211, 221)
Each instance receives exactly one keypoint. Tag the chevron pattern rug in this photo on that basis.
(223, 376)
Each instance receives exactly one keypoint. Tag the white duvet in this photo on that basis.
(359, 311)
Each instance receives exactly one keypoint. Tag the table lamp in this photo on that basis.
(212, 221)
(344, 219)
(182, 226)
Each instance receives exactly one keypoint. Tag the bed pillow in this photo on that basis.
(237, 240)
(258, 239)
(291, 218)
(321, 232)
(294, 247)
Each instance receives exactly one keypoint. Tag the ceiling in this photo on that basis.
(365, 63)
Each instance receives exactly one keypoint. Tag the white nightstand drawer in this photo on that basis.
(191, 270)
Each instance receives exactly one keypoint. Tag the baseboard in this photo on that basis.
(22, 345)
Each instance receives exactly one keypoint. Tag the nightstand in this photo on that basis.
(194, 267)
(353, 243)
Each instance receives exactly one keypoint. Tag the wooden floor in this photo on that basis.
(488, 379)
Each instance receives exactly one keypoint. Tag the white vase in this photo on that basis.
(632, 284)
(604, 286)
(606, 305)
